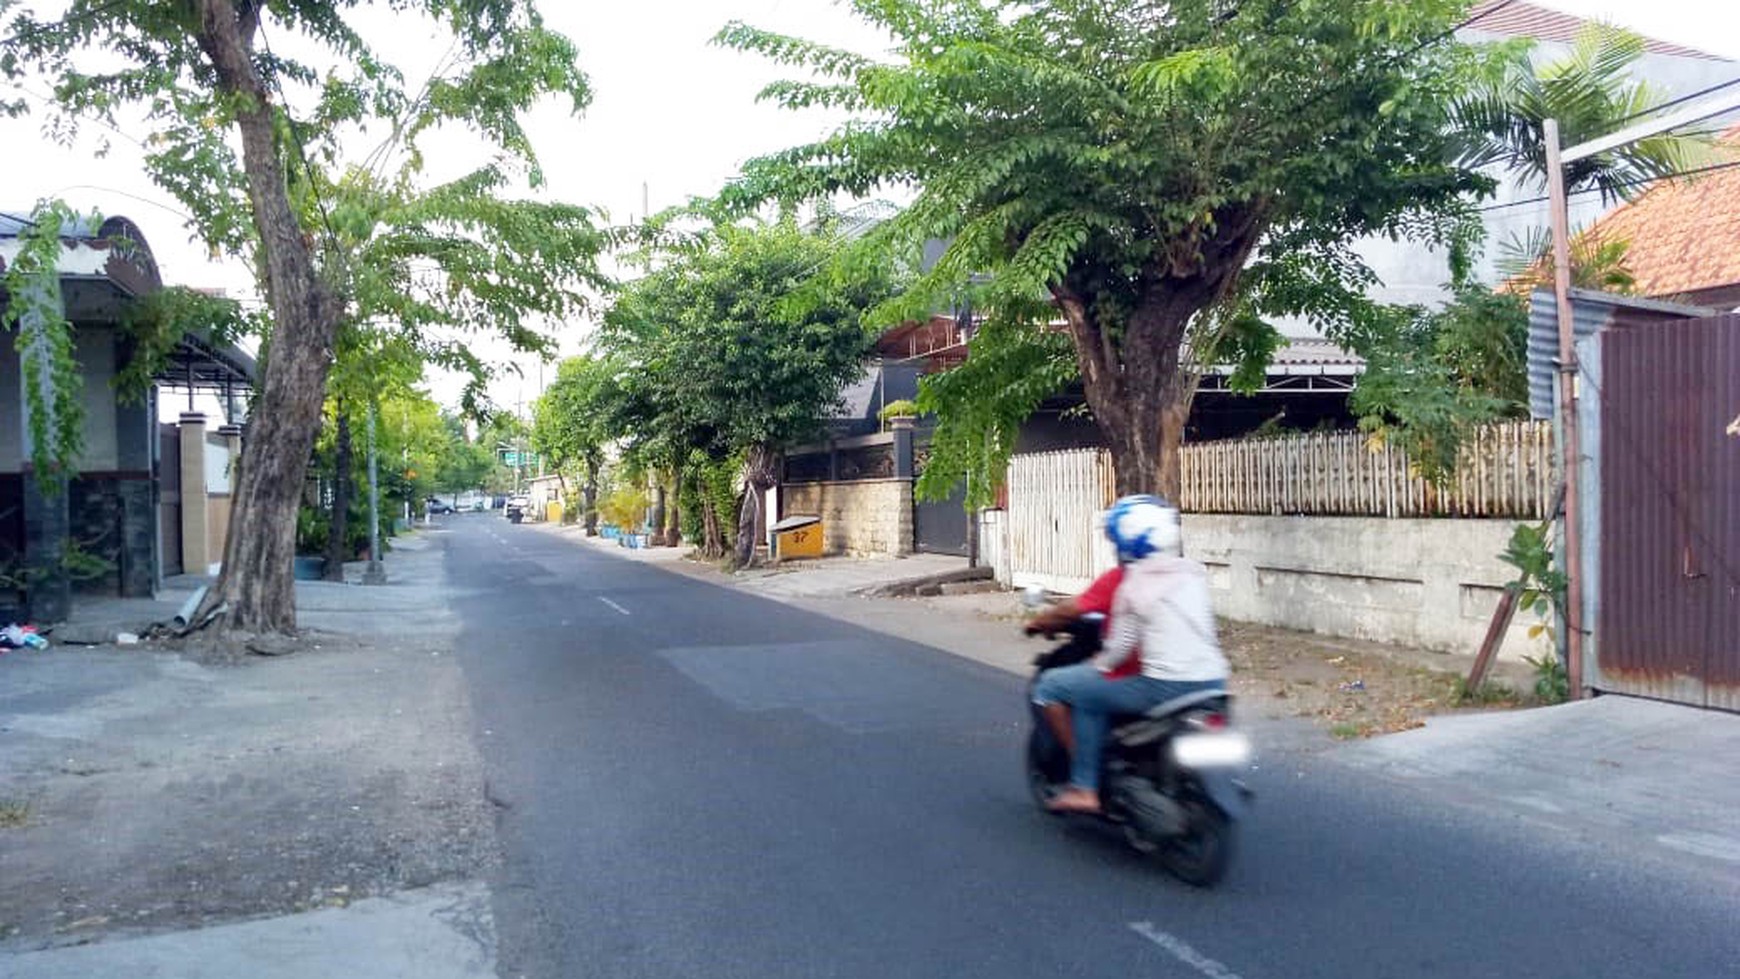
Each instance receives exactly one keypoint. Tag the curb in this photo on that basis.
(930, 584)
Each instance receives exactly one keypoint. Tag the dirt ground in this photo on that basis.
(1354, 689)
(142, 790)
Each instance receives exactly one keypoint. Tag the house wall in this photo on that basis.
(217, 494)
(1430, 583)
(94, 349)
(867, 516)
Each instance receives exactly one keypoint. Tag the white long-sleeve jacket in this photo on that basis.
(1163, 607)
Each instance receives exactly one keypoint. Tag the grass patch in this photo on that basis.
(13, 813)
(1348, 731)
(1488, 694)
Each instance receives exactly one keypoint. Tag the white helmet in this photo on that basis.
(1141, 526)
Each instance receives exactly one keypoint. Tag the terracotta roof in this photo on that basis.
(1519, 19)
(1684, 234)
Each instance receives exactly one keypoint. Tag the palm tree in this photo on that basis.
(1591, 93)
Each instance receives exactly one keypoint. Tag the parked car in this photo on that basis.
(517, 508)
(435, 506)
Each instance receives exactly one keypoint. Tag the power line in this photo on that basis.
(1692, 96)
(301, 151)
(1695, 171)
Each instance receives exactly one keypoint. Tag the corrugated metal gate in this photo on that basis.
(940, 526)
(1668, 624)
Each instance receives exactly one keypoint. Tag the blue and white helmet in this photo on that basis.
(1142, 526)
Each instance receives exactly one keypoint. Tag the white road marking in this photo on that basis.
(613, 605)
(1182, 951)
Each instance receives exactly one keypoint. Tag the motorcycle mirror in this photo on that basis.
(1033, 596)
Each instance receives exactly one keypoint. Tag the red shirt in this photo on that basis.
(1098, 598)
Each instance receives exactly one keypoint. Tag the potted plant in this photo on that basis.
(898, 414)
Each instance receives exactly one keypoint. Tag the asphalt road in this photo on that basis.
(693, 782)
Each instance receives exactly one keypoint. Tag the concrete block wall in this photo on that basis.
(1426, 583)
(861, 517)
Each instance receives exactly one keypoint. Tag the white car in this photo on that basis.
(517, 508)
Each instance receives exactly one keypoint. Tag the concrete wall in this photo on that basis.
(94, 349)
(869, 516)
(1426, 583)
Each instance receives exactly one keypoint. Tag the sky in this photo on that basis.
(670, 112)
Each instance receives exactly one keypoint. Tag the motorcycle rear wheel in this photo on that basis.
(1202, 855)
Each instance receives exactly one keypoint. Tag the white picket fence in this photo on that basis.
(1506, 470)
(1051, 535)
(1052, 527)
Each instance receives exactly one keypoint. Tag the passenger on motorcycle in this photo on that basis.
(1161, 608)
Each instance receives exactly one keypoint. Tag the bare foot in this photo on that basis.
(1075, 800)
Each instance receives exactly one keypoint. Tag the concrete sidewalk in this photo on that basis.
(1612, 770)
(320, 813)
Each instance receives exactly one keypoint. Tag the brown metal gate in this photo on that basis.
(1668, 624)
(169, 498)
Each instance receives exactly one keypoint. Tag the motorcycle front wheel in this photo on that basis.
(1043, 775)
(1202, 855)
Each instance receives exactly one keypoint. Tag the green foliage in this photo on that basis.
(626, 508)
(1552, 683)
(155, 323)
(981, 404)
(737, 341)
(432, 263)
(1140, 166)
(1432, 377)
(1599, 262)
(900, 408)
(1500, 120)
(579, 414)
(53, 384)
(710, 483)
(1541, 587)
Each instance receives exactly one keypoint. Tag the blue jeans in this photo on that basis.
(1093, 697)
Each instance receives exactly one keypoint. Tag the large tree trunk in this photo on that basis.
(338, 529)
(674, 518)
(257, 585)
(1135, 379)
(758, 477)
(712, 533)
(589, 498)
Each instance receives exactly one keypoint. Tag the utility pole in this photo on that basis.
(1557, 159)
(375, 574)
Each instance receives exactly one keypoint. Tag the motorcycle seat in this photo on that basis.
(1134, 728)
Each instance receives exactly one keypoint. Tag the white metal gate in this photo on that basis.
(1056, 503)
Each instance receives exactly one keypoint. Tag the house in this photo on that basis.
(148, 500)
(1683, 236)
(1415, 273)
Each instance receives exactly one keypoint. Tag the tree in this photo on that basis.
(1500, 121)
(203, 71)
(1160, 175)
(575, 419)
(739, 346)
(1439, 373)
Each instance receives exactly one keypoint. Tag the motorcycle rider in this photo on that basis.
(1162, 609)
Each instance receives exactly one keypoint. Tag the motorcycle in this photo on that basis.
(1168, 777)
